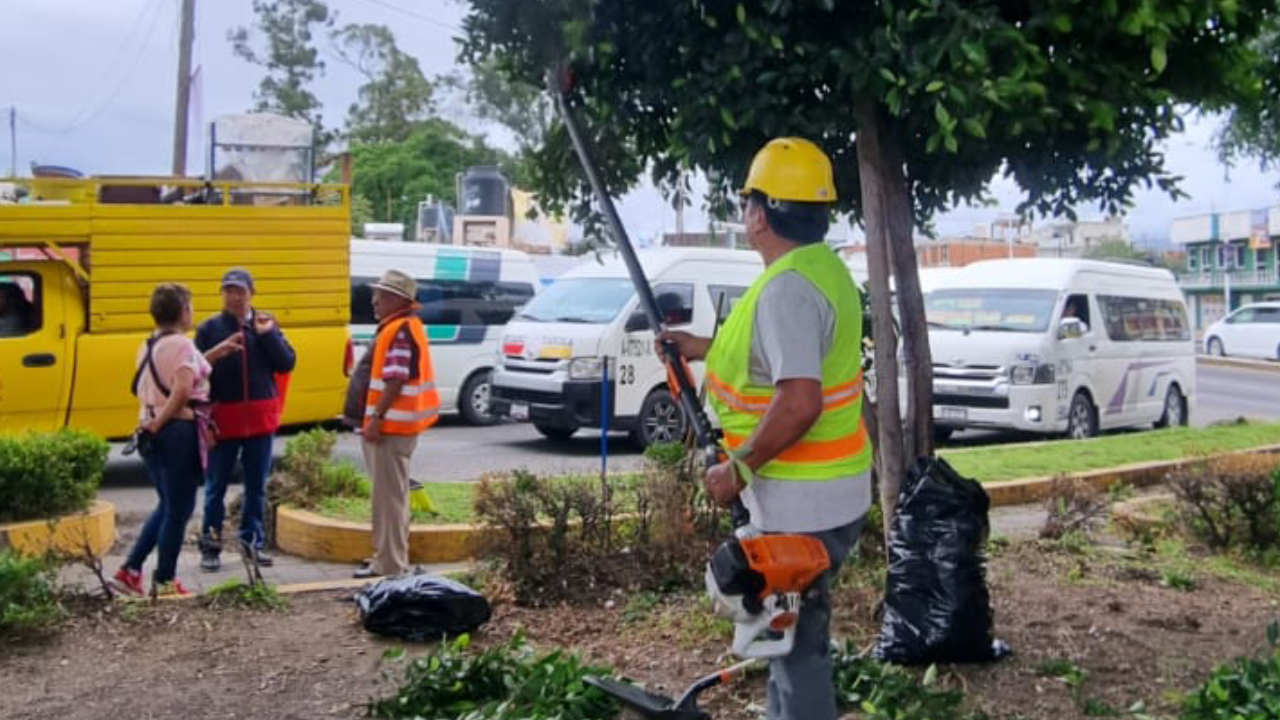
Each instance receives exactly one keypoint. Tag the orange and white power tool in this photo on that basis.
(759, 582)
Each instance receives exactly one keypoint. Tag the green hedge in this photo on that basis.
(44, 475)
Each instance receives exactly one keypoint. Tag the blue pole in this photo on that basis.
(604, 420)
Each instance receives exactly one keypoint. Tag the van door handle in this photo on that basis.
(1093, 348)
(39, 360)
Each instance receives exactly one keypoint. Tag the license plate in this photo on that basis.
(955, 413)
(519, 411)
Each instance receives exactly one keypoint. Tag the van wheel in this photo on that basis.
(1082, 421)
(661, 420)
(552, 432)
(1215, 347)
(1175, 409)
(473, 401)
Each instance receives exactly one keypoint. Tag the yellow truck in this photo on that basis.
(79, 259)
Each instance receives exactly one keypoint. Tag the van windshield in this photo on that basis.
(580, 300)
(990, 309)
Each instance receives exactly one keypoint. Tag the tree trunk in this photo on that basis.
(876, 177)
(917, 358)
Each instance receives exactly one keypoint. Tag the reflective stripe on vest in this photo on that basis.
(837, 445)
(417, 406)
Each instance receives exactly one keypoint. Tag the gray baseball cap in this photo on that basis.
(238, 277)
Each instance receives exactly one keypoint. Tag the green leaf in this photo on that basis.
(1063, 23)
(935, 86)
(1159, 58)
(742, 14)
(943, 117)
(776, 42)
(393, 654)
(932, 144)
(952, 144)
(887, 74)
(974, 127)
(727, 117)
(930, 676)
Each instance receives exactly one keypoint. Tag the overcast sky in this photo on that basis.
(93, 83)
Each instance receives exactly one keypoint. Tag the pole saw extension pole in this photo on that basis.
(678, 375)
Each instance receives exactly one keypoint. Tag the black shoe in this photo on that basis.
(264, 560)
(366, 571)
(210, 562)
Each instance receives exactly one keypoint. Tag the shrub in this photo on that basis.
(565, 537)
(43, 475)
(235, 593)
(1074, 506)
(1246, 688)
(1231, 501)
(29, 602)
(507, 682)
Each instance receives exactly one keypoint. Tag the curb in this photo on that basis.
(1033, 490)
(1238, 363)
(315, 537)
(67, 535)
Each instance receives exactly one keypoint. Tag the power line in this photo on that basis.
(410, 13)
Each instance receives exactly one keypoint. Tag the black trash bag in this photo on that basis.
(936, 605)
(421, 607)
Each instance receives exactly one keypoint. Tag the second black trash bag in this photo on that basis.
(421, 607)
(936, 606)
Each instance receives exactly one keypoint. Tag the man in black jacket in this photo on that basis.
(246, 392)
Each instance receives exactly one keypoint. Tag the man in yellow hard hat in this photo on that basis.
(784, 375)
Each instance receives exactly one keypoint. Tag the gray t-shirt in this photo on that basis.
(794, 329)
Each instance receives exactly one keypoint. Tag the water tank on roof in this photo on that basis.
(484, 191)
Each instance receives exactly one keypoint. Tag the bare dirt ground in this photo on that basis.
(1105, 612)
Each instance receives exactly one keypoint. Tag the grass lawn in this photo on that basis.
(1012, 462)
(452, 500)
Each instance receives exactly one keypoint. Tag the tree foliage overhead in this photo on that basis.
(287, 50)
(1252, 129)
(1070, 98)
(395, 95)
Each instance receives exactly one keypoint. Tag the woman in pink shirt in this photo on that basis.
(172, 380)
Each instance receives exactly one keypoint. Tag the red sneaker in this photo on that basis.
(129, 582)
(173, 588)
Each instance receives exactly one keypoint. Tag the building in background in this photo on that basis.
(1230, 260)
(1074, 239)
(958, 252)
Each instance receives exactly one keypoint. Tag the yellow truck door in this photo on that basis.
(35, 343)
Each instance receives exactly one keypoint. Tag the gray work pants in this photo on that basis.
(800, 684)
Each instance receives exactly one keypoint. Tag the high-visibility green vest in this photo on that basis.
(837, 445)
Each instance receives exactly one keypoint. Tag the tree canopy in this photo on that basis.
(919, 103)
(395, 95)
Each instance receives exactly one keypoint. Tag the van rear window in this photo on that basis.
(1132, 319)
(450, 302)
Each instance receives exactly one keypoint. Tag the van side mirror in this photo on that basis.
(1071, 328)
(637, 322)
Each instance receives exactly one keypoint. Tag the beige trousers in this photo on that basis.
(388, 465)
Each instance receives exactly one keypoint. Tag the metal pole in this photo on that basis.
(183, 103)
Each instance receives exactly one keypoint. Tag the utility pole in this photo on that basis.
(13, 141)
(182, 109)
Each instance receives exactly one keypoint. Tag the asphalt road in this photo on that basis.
(455, 451)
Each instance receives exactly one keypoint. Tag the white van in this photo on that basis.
(467, 295)
(1054, 346)
(555, 351)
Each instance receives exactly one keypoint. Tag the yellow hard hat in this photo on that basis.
(792, 169)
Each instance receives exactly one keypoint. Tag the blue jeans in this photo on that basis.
(254, 455)
(174, 466)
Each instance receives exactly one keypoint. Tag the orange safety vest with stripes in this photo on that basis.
(837, 445)
(418, 405)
